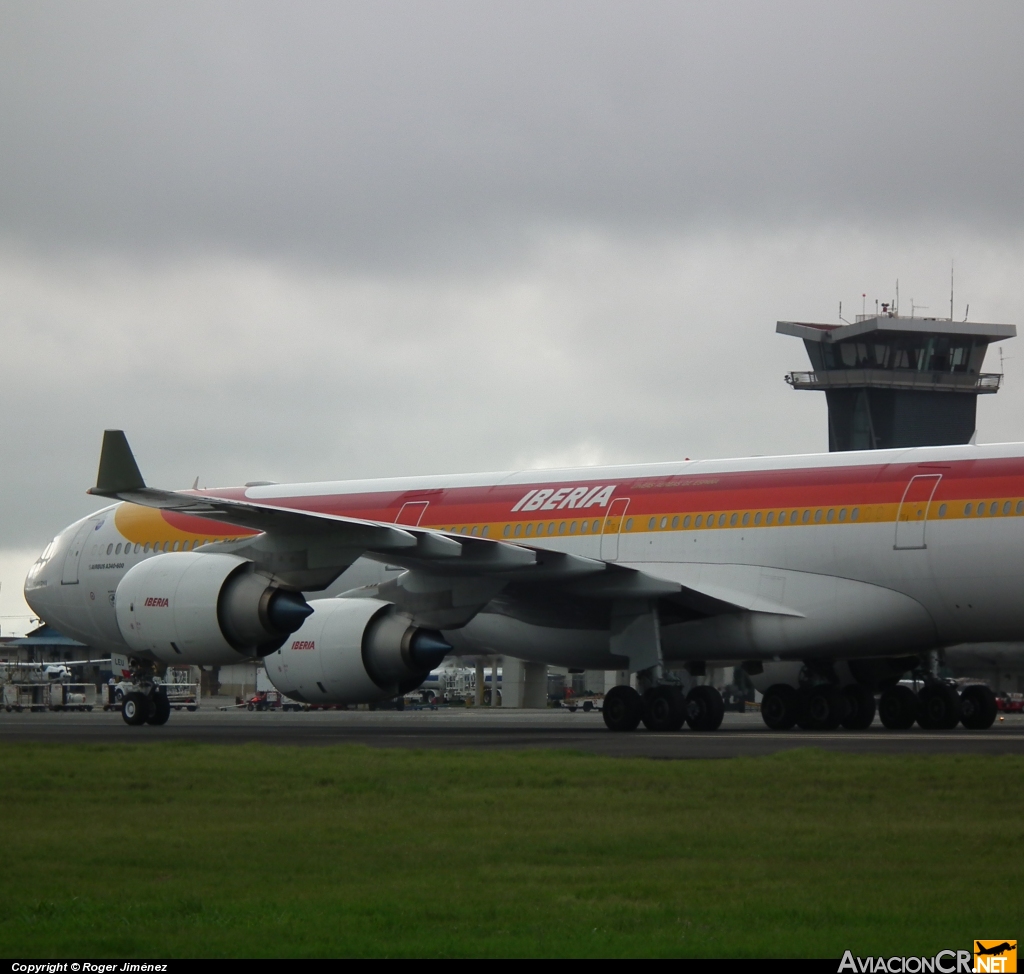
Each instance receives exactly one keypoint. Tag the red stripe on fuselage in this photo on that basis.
(699, 491)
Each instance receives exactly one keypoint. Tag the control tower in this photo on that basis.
(893, 382)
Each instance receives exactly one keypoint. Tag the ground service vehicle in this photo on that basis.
(837, 573)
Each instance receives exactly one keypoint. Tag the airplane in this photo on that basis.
(825, 576)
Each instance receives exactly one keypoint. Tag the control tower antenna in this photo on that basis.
(951, 290)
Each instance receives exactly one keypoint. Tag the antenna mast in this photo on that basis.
(951, 290)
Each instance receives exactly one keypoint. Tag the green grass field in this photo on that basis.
(196, 850)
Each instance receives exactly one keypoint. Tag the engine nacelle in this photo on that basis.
(355, 651)
(199, 608)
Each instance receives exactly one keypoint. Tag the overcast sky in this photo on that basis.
(315, 240)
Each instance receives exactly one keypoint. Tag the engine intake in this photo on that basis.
(355, 651)
(194, 607)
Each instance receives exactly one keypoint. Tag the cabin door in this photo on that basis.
(412, 513)
(74, 556)
(912, 516)
(613, 522)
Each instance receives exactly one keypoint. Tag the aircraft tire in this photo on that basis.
(704, 709)
(663, 709)
(134, 708)
(897, 708)
(824, 708)
(780, 706)
(860, 707)
(160, 710)
(622, 709)
(978, 707)
(938, 707)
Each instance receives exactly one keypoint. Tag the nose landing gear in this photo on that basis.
(139, 708)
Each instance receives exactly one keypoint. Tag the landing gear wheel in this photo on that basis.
(704, 709)
(977, 707)
(860, 707)
(824, 708)
(135, 708)
(663, 709)
(897, 708)
(780, 706)
(160, 710)
(622, 709)
(938, 707)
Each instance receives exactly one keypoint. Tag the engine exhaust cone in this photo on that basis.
(428, 648)
(288, 611)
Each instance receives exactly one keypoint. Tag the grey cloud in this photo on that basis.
(402, 131)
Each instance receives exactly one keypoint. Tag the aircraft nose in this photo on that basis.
(40, 580)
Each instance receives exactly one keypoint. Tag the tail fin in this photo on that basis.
(118, 469)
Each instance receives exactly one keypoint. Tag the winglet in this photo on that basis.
(118, 470)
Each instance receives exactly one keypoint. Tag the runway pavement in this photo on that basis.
(740, 734)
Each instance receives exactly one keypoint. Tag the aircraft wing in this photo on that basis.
(309, 550)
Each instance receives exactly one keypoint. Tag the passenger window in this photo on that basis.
(185, 545)
(675, 522)
(831, 516)
(145, 548)
(817, 517)
(942, 510)
(110, 549)
(174, 547)
(686, 521)
(1020, 507)
(782, 517)
(629, 524)
(769, 517)
(733, 519)
(474, 531)
(981, 509)
(137, 547)
(793, 517)
(117, 550)
(595, 525)
(746, 518)
(854, 514)
(806, 517)
(651, 523)
(529, 530)
(583, 527)
(757, 518)
(507, 531)
(967, 509)
(1006, 507)
(664, 523)
(699, 521)
(721, 519)
(519, 530)
(551, 528)
(572, 528)
(561, 527)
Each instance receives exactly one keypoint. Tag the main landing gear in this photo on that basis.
(663, 708)
(937, 706)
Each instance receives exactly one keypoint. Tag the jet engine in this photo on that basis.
(355, 651)
(199, 608)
